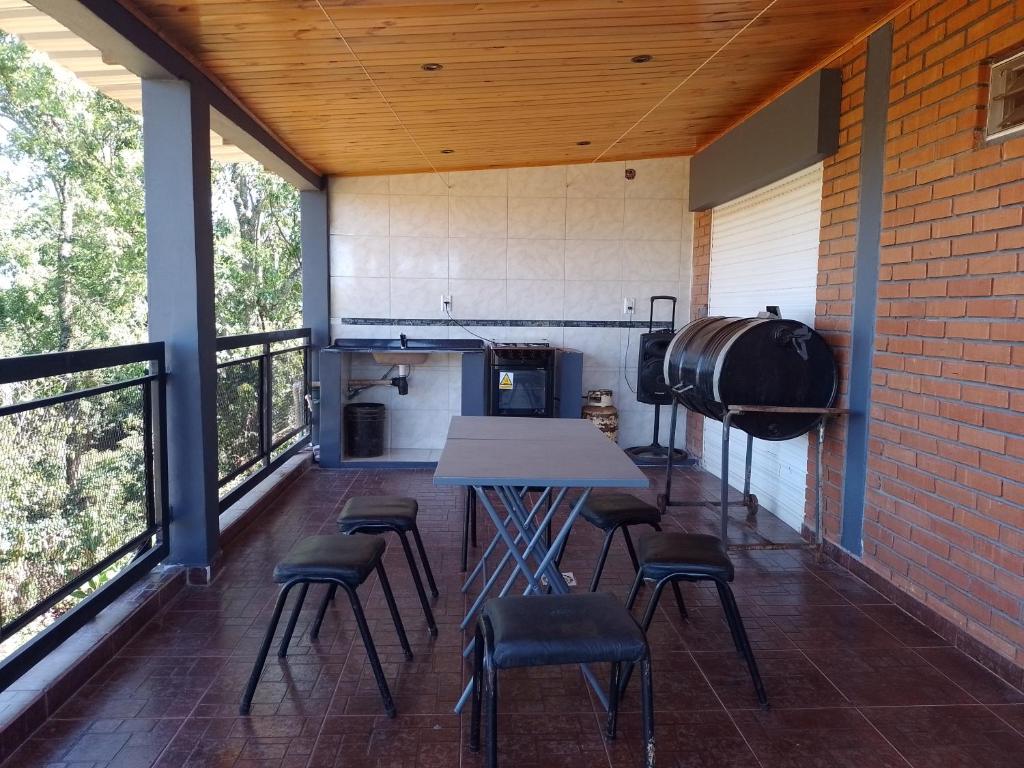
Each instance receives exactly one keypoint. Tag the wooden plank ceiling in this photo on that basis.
(69, 51)
(523, 81)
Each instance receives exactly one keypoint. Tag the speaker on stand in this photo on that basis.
(651, 387)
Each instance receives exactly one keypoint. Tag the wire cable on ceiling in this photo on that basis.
(380, 92)
(687, 79)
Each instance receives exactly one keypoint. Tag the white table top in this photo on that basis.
(555, 453)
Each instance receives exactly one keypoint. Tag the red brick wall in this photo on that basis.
(836, 256)
(944, 517)
(698, 309)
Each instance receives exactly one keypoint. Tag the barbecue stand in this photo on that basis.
(749, 500)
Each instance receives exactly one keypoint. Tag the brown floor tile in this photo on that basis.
(903, 626)
(887, 677)
(790, 680)
(971, 676)
(949, 737)
(816, 737)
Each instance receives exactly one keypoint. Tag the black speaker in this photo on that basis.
(651, 386)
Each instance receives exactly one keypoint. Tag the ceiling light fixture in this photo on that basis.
(432, 66)
(447, 151)
(582, 143)
(642, 58)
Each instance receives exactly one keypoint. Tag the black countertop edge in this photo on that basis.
(504, 323)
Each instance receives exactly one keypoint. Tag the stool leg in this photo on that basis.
(645, 624)
(732, 613)
(282, 651)
(478, 682)
(415, 571)
(613, 702)
(599, 568)
(647, 712)
(261, 657)
(728, 619)
(630, 548)
(675, 588)
(423, 559)
(389, 597)
(637, 583)
(490, 693)
(371, 651)
(314, 631)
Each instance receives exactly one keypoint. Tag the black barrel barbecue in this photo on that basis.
(717, 362)
(774, 379)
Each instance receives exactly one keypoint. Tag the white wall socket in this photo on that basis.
(446, 302)
(628, 305)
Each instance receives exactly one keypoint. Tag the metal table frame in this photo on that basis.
(527, 459)
(749, 500)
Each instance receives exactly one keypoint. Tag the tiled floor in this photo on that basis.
(853, 681)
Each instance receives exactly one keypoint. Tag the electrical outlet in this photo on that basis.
(628, 305)
(446, 303)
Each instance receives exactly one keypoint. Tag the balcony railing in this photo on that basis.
(82, 490)
(263, 384)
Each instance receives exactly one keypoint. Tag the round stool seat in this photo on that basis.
(611, 510)
(541, 630)
(697, 554)
(347, 558)
(396, 512)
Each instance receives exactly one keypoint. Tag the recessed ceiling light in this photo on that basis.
(642, 58)
(432, 66)
(447, 151)
(582, 143)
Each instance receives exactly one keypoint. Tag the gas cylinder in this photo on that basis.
(600, 410)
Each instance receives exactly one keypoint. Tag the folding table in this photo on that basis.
(507, 456)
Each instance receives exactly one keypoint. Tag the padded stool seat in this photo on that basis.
(543, 630)
(562, 629)
(668, 558)
(380, 514)
(394, 512)
(349, 558)
(343, 562)
(668, 554)
(609, 511)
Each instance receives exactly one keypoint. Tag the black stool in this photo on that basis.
(341, 561)
(542, 630)
(614, 511)
(668, 558)
(380, 514)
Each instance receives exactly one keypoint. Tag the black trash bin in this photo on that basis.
(364, 430)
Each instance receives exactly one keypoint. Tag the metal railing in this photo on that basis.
(263, 386)
(83, 489)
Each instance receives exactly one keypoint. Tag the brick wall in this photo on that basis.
(836, 256)
(944, 517)
(699, 308)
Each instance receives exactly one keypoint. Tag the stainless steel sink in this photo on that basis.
(399, 357)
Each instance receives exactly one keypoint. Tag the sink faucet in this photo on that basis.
(404, 341)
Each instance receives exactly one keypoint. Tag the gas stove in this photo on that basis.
(519, 344)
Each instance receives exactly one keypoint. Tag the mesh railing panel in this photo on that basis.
(239, 398)
(288, 406)
(72, 489)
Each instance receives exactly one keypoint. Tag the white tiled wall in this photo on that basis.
(552, 243)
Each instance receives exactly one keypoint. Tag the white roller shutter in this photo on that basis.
(764, 251)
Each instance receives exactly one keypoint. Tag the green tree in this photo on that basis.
(256, 242)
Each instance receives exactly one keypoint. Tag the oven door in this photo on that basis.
(520, 391)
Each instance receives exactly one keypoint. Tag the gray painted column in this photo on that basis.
(316, 282)
(865, 284)
(179, 235)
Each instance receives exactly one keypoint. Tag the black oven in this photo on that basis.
(521, 380)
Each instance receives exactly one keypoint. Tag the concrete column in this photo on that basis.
(316, 281)
(179, 234)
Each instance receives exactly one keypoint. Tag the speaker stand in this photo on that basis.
(656, 454)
